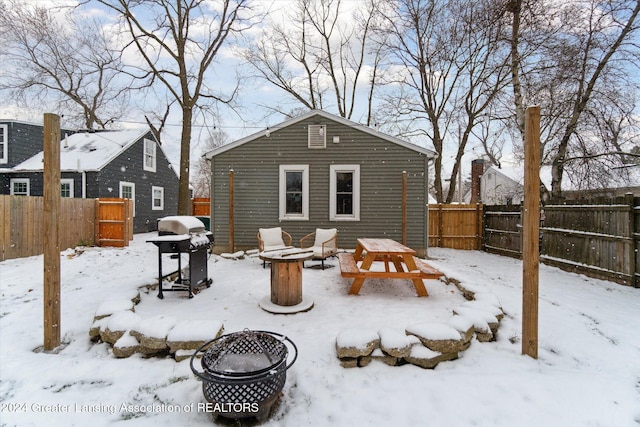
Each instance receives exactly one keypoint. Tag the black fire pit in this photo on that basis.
(244, 372)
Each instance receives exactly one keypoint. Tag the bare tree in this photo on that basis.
(62, 60)
(588, 59)
(202, 173)
(179, 41)
(320, 59)
(452, 69)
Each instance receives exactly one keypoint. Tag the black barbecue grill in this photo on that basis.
(179, 235)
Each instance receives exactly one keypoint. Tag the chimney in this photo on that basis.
(477, 169)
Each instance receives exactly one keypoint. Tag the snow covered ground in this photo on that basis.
(587, 374)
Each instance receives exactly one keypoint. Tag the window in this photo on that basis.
(66, 188)
(344, 188)
(157, 198)
(317, 136)
(128, 191)
(149, 155)
(4, 144)
(19, 186)
(294, 192)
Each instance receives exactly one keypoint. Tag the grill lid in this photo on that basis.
(180, 224)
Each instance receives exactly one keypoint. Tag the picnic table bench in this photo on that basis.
(387, 251)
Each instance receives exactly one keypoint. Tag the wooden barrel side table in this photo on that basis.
(286, 280)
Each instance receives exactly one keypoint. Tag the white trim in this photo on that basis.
(19, 181)
(4, 149)
(133, 193)
(282, 194)
(273, 129)
(148, 143)
(333, 170)
(153, 198)
(71, 191)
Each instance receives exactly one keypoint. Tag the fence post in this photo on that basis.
(531, 233)
(479, 226)
(440, 225)
(51, 173)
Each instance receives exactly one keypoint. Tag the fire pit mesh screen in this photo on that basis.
(248, 367)
(244, 354)
(260, 391)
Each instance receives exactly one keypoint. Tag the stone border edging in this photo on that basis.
(429, 343)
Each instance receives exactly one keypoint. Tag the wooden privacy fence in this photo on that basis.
(597, 239)
(455, 226)
(503, 230)
(114, 222)
(81, 223)
(201, 206)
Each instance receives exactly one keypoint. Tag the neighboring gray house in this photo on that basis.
(127, 163)
(320, 171)
(499, 186)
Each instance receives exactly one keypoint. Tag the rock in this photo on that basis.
(349, 362)
(427, 358)
(117, 324)
(108, 307)
(96, 326)
(464, 325)
(152, 333)
(395, 342)
(363, 361)
(192, 334)
(356, 342)
(488, 298)
(439, 337)
(126, 346)
(379, 355)
(181, 355)
(479, 318)
(469, 290)
(485, 307)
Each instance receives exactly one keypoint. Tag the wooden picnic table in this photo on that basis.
(388, 252)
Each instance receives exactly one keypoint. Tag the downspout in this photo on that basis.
(84, 181)
(426, 206)
(212, 188)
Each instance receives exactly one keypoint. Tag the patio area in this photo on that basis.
(587, 330)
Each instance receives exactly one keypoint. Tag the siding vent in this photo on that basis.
(317, 136)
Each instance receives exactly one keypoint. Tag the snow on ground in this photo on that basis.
(587, 374)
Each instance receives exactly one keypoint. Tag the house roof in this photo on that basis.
(627, 176)
(87, 151)
(328, 116)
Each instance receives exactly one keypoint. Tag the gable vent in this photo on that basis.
(317, 136)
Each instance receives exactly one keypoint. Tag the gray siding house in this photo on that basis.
(127, 163)
(320, 171)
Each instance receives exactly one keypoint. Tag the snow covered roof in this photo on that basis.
(87, 151)
(628, 176)
(324, 114)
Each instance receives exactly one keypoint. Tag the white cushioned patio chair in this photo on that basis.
(271, 239)
(323, 241)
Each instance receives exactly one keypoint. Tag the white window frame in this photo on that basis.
(133, 193)
(333, 171)
(4, 148)
(149, 153)
(283, 192)
(13, 181)
(153, 198)
(69, 182)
